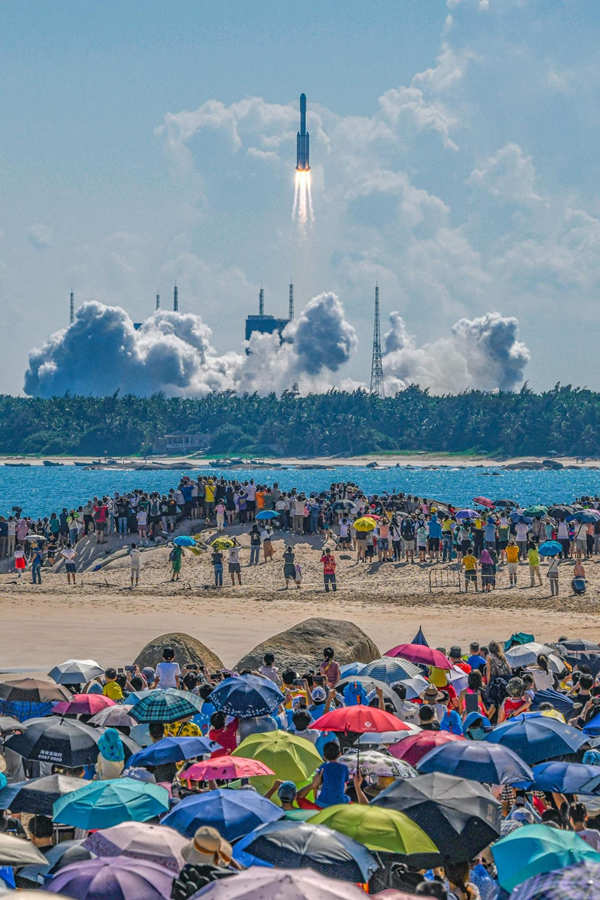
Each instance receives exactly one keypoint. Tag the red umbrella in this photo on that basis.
(484, 501)
(418, 653)
(359, 719)
(225, 767)
(412, 748)
(82, 704)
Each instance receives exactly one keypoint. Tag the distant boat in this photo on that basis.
(17, 465)
(81, 464)
(49, 462)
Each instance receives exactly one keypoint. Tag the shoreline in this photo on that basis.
(415, 459)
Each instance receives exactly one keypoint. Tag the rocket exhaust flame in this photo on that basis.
(303, 208)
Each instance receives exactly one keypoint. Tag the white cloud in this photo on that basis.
(40, 236)
(508, 174)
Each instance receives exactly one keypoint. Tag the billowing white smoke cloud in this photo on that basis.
(482, 353)
(172, 352)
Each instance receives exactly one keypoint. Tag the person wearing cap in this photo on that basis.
(455, 656)
(319, 699)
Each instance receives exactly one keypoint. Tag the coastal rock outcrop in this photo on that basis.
(301, 647)
(187, 649)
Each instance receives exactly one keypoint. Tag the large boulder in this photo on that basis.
(301, 647)
(187, 649)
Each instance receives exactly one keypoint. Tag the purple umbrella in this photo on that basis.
(466, 514)
(281, 884)
(153, 843)
(118, 878)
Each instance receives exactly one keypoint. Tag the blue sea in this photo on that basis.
(41, 490)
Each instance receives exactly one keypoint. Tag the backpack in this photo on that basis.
(407, 529)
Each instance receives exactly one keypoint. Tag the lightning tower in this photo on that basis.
(157, 306)
(175, 299)
(71, 308)
(376, 358)
(291, 303)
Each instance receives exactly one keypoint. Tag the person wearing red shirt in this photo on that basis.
(329, 565)
(224, 733)
(455, 657)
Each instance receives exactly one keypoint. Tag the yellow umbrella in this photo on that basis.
(392, 832)
(222, 543)
(291, 758)
(365, 523)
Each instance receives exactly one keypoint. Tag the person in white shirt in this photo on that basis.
(522, 532)
(68, 554)
(168, 673)
(135, 561)
(578, 816)
(234, 564)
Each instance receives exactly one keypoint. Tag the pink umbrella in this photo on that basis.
(484, 501)
(82, 704)
(258, 883)
(412, 748)
(223, 768)
(425, 656)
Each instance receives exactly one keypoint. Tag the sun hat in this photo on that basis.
(207, 846)
(319, 694)
(432, 694)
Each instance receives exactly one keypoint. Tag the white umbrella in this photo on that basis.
(113, 716)
(527, 654)
(372, 762)
(383, 738)
(76, 671)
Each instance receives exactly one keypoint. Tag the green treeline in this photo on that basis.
(564, 420)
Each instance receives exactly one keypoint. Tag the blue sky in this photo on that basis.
(454, 156)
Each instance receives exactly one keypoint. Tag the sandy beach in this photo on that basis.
(103, 619)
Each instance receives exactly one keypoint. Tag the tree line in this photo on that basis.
(563, 420)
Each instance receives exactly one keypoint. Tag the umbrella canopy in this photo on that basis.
(155, 843)
(354, 668)
(371, 684)
(101, 804)
(578, 644)
(505, 503)
(560, 511)
(76, 671)
(373, 762)
(381, 830)
(460, 816)
(389, 670)
(535, 849)
(39, 795)
(35, 537)
(559, 701)
(347, 505)
(15, 851)
(585, 515)
(298, 845)
(62, 854)
(32, 690)
(518, 637)
(280, 884)
(535, 737)
(384, 738)
(247, 696)
(225, 768)
(233, 813)
(421, 655)
(527, 654)
(222, 543)
(82, 704)
(416, 746)
(290, 757)
(173, 749)
(166, 706)
(479, 761)
(66, 742)
(116, 878)
(414, 686)
(113, 716)
(420, 638)
(267, 514)
(184, 540)
(566, 777)
(537, 510)
(550, 548)
(9, 723)
(466, 514)
(365, 523)
(581, 881)
(484, 501)
(359, 719)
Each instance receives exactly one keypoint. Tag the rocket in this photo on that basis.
(302, 139)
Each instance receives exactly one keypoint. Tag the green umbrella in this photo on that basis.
(536, 510)
(379, 829)
(291, 758)
(534, 849)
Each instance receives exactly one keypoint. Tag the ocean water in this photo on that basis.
(40, 490)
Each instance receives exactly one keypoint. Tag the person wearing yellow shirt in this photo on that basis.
(470, 567)
(533, 557)
(512, 558)
(112, 688)
(209, 498)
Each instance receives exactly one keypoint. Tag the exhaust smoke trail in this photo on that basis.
(302, 211)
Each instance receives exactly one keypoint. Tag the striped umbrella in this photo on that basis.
(166, 706)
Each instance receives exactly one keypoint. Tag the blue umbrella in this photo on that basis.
(559, 701)
(585, 515)
(233, 813)
(420, 638)
(535, 737)
(246, 696)
(353, 668)
(173, 749)
(267, 514)
(9, 792)
(477, 760)
(566, 778)
(184, 540)
(591, 728)
(466, 514)
(390, 669)
(101, 804)
(519, 518)
(550, 548)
